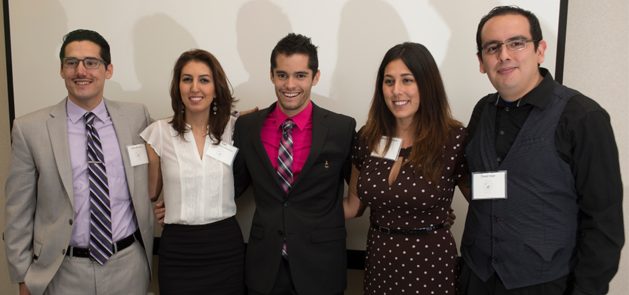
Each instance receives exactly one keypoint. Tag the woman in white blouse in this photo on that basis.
(201, 250)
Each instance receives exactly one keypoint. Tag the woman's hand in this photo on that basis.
(160, 212)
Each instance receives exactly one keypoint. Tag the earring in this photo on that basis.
(183, 107)
(215, 108)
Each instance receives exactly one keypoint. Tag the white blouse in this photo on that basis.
(196, 191)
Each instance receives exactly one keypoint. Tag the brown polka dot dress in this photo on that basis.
(409, 264)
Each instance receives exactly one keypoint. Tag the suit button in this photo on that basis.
(280, 232)
(499, 159)
(70, 221)
(495, 259)
(63, 251)
(287, 204)
(496, 240)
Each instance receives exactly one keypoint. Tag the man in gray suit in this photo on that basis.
(77, 221)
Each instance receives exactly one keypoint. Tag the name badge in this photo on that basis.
(489, 185)
(223, 152)
(392, 153)
(138, 155)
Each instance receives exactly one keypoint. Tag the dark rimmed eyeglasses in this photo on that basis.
(88, 63)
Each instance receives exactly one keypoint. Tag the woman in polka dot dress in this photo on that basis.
(408, 249)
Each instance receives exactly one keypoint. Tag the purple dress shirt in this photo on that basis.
(123, 216)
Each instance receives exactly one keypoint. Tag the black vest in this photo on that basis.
(531, 237)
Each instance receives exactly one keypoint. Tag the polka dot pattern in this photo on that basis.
(409, 264)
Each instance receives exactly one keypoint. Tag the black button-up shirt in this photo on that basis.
(585, 140)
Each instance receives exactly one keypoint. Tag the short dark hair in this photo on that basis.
(534, 26)
(222, 90)
(296, 43)
(433, 119)
(86, 35)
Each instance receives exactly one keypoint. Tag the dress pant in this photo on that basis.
(125, 272)
(283, 282)
(471, 284)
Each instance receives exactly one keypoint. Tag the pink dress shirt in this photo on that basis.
(271, 135)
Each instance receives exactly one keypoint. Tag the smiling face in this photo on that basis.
(85, 86)
(400, 91)
(196, 86)
(512, 73)
(293, 80)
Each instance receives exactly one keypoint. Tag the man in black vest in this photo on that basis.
(546, 209)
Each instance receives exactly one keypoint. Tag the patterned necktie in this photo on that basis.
(285, 163)
(285, 156)
(100, 211)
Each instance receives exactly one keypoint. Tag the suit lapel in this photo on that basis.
(320, 126)
(121, 125)
(256, 139)
(58, 134)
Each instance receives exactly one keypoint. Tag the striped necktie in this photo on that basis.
(100, 211)
(285, 163)
(285, 156)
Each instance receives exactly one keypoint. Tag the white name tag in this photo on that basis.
(489, 185)
(137, 154)
(223, 152)
(393, 152)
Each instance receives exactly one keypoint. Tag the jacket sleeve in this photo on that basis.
(242, 178)
(21, 200)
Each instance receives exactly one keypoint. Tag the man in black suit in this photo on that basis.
(297, 239)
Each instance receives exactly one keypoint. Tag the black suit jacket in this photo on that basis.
(310, 217)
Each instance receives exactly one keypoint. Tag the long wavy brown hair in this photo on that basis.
(433, 119)
(222, 88)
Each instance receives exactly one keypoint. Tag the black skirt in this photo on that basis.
(202, 259)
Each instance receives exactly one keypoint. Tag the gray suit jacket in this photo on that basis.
(40, 196)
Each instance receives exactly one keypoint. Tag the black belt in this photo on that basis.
(118, 246)
(415, 231)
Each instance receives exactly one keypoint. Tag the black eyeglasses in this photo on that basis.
(88, 63)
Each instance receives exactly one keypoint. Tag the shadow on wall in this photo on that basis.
(364, 37)
(41, 46)
(463, 35)
(154, 62)
(259, 26)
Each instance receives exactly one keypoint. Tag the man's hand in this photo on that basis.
(24, 290)
(450, 219)
(249, 111)
(160, 212)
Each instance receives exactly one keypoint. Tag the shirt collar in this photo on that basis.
(301, 119)
(539, 96)
(76, 113)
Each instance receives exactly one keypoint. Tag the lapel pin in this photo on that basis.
(326, 165)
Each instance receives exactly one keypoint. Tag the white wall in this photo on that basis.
(147, 37)
(597, 64)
